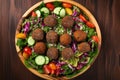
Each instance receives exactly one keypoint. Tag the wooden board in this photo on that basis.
(92, 19)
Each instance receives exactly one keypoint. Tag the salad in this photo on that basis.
(57, 39)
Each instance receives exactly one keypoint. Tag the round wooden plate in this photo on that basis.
(92, 19)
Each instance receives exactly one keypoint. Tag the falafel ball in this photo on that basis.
(50, 21)
(79, 35)
(40, 47)
(52, 53)
(38, 34)
(65, 39)
(67, 22)
(67, 53)
(84, 47)
(52, 37)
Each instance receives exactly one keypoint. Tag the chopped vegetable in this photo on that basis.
(66, 69)
(83, 18)
(89, 24)
(31, 41)
(34, 14)
(38, 13)
(66, 5)
(40, 60)
(21, 35)
(21, 43)
(25, 55)
(69, 11)
(62, 12)
(28, 50)
(47, 69)
(52, 66)
(45, 10)
(46, 60)
(50, 6)
(27, 27)
(57, 10)
(95, 38)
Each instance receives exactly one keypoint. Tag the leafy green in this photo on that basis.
(66, 69)
(73, 61)
(30, 62)
(41, 5)
(46, 29)
(51, 45)
(69, 31)
(40, 70)
(21, 43)
(60, 47)
(57, 3)
(78, 54)
(90, 31)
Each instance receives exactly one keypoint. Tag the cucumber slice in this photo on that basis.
(40, 60)
(45, 10)
(62, 12)
(57, 10)
(38, 13)
(31, 41)
(46, 60)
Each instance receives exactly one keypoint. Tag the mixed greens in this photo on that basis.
(59, 67)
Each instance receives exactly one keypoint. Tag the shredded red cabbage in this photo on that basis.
(74, 47)
(27, 27)
(75, 13)
(80, 65)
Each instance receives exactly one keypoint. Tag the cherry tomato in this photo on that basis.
(27, 50)
(47, 69)
(50, 6)
(67, 5)
(34, 14)
(52, 66)
(89, 24)
(83, 18)
(25, 55)
(95, 38)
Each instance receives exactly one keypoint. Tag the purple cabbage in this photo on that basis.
(77, 19)
(27, 27)
(75, 13)
(74, 47)
(80, 65)
(43, 24)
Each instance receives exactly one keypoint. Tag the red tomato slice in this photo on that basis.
(52, 71)
(50, 6)
(83, 18)
(67, 5)
(47, 69)
(34, 14)
(95, 38)
(27, 50)
(89, 24)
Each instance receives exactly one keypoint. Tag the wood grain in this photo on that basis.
(107, 65)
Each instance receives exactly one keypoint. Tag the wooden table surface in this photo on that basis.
(107, 65)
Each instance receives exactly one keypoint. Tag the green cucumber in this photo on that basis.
(62, 12)
(38, 13)
(57, 10)
(46, 60)
(31, 41)
(40, 60)
(45, 10)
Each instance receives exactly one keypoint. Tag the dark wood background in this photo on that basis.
(107, 65)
